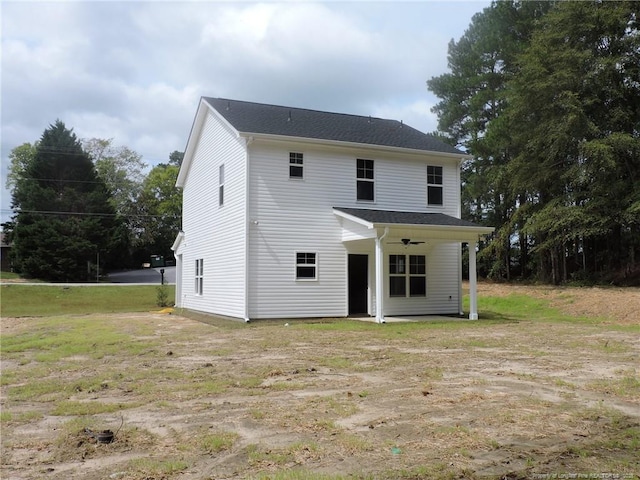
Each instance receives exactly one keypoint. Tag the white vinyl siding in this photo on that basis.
(215, 235)
(442, 287)
(289, 217)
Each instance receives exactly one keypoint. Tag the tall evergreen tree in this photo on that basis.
(576, 105)
(64, 219)
(546, 97)
(474, 97)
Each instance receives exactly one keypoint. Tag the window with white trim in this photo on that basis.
(434, 185)
(295, 165)
(407, 279)
(306, 266)
(221, 185)
(199, 276)
(364, 180)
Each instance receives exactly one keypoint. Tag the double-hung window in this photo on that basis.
(407, 273)
(306, 266)
(434, 185)
(364, 180)
(199, 276)
(295, 165)
(221, 185)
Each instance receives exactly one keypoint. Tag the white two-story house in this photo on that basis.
(299, 213)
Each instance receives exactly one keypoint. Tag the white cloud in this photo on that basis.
(133, 71)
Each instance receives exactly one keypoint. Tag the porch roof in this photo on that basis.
(414, 220)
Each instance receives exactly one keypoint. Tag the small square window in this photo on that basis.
(306, 266)
(295, 165)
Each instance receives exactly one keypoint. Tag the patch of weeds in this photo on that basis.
(162, 296)
(324, 425)
(455, 431)
(300, 474)
(558, 382)
(435, 471)
(39, 390)
(61, 337)
(197, 385)
(285, 386)
(257, 414)
(247, 382)
(577, 451)
(22, 417)
(260, 456)
(338, 363)
(328, 407)
(612, 346)
(625, 387)
(68, 408)
(7, 377)
(352, 443)
(220, 352)
(433, 373)
(152, 467)
(217, 442)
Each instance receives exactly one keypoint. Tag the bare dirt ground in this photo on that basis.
(511, 398)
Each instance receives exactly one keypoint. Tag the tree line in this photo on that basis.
(546, 97)
(82, 207)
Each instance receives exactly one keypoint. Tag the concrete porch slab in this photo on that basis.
(414, 319)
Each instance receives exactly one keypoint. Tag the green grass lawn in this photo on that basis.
(37, 301)
(9, 275)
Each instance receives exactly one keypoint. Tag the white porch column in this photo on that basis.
(473, 283)
(380, 277)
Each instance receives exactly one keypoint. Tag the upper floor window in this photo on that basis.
(306, 266)
(295, 165)
(434, 185)
(365, 180)
(221, 185)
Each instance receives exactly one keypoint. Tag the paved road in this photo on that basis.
(145, 276)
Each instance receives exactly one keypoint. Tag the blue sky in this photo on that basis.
(133, 71)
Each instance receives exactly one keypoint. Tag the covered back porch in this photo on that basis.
(407, 264)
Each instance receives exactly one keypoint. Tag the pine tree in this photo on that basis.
(64, 219)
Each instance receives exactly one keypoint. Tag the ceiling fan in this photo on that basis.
(407, 241)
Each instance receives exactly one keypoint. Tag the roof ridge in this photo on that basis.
(308, 110)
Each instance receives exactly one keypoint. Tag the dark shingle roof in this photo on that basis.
(258, 118)
(406, 218)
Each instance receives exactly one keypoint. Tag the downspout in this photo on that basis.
(247, 231)
(380, 276)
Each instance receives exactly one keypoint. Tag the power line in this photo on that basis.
(61, 180)
(88, 214)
